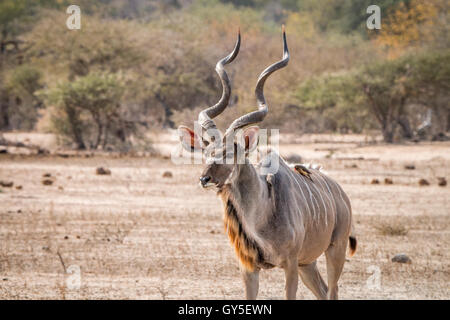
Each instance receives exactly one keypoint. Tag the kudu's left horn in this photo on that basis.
(205, 117)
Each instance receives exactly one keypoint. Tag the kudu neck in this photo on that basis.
(245, 187)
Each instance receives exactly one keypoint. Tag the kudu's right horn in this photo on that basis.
(259, 115)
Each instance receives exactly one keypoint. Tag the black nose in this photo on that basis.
(204, 180)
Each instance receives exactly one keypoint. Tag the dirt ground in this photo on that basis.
(135, 234)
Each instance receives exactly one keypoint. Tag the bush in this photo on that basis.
(88, 110)
(22, 85)
(383, 89)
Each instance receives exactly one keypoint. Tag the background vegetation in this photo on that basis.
(143, 65)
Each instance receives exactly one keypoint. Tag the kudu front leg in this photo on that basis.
(291, 274)
(251, 282)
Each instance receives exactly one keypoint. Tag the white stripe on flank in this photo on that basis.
(313, 199)
(331, 194)
(330, 201)
(323, 202)
(340, 194)
(301, 190)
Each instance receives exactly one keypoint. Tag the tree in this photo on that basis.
(92, 100)
(16, 17)
(22, 86)
(334, 99)
(388, 87)
(384, 89)
(344, 16)
(414, 24)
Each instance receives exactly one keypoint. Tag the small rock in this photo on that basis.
(66, 237)
(47, 175)
(423, 182)
(375, 181)
(103, 171)
(5, 279)
(18, 187)
(6, 184)
(388, 181)
(401, 258)
(442, 181)
(47, 182)
(410, 167)
(167, 174)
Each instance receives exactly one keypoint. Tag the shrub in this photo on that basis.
(88, 110)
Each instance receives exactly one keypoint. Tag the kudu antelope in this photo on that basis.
(286, 219)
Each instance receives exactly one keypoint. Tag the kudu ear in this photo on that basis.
(251, 138)
(189, 140)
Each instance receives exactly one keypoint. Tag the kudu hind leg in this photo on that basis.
(251, 282)
(335, 256)
(313, 280)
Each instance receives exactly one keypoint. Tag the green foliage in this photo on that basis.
(87, 102)
(384, 88)
(25, 79)
(11, 9)
(340, 16)
(16, 15)
(98, 46)
(335, 98)
(96, 93)
(344, 16)
(431, 74)
(389, 84)
(22, 85)
(147, 64)
(319, 92)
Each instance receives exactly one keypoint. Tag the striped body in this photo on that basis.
(301, 204)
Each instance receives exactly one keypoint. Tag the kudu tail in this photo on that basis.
(353, 244)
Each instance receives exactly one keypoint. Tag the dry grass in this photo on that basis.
(392, 230)
(136, 234)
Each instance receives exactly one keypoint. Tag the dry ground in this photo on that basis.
(135, 234)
